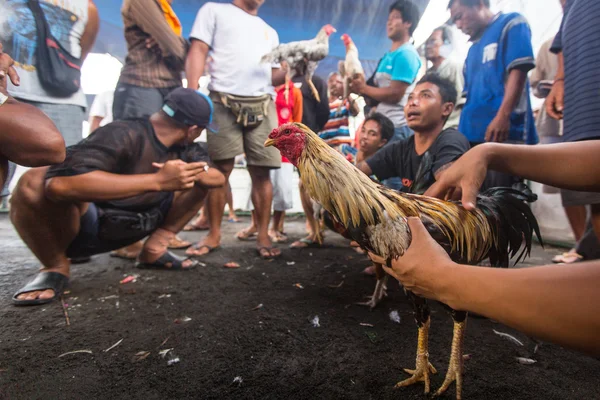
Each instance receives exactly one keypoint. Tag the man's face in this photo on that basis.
(425, 109)
(253, 4)
(336, 85)
(468, 19)
(397, 29)
(192, 134)
(370, 137)
(433, 44)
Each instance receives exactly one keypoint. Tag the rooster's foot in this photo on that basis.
(455, 369)
(419, 374)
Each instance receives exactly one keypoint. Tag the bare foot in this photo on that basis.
(247, 234)
(309, 241)
(43, 294)
(178, 243)
(277, 237)
(130, 252)
(203, 248)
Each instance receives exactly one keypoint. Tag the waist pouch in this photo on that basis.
(115, 224)
(250, 112)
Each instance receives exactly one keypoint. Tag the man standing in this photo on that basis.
(437, 51)
(127, 180)
(498, 108)
(155, 58)
(242, 90)
(397, 69)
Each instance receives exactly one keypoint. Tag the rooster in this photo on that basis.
(376, 217)
(303, 55)
(351, 65)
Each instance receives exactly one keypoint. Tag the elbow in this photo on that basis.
(51, 153)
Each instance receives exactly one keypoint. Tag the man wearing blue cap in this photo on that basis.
(126, 181)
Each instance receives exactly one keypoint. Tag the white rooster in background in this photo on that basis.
(303, 56)
(351, 65)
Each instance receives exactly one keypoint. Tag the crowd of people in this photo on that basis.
(142, 174)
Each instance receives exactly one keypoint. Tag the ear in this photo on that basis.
(447, 109)
(382, 143)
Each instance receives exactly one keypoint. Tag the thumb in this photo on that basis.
(416, 227)
(158, 165)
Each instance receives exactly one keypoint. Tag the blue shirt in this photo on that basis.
(505, 45)
(402, 65)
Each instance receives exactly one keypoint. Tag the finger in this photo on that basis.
(469, 196)
(195, 166)
(450, 194)
(14, 76)
(488, 135)
(376, 259)
(456, 195)
(158, 165)
(438, 189)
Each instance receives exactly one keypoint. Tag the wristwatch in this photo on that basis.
(3, 98)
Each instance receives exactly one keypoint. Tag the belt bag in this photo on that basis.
(116, 224)
(249, 111)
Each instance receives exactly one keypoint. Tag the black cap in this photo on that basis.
(190, 107)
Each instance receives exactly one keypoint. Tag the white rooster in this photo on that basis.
(351, 65)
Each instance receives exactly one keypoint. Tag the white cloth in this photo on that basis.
(69, 18)
(453, 71)
(283, 188)
(102, 107)
(237, 42)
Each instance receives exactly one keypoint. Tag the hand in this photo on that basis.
(357, 83)
(178, 175)
(555, 102)
(152, 44)
(498, 129)
(284, 66)
(464, 177)
(7, 69)
(424, 267)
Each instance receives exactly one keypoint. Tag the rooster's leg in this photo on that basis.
(455, 369)
(380, 288)
(423, 368)
(314, 90)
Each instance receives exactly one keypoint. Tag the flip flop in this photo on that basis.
(192, 227)
(198, 247)
(244, 236)
(43, 281)
(269, 249)
(168, 261)
(234, 221)
(308, 242)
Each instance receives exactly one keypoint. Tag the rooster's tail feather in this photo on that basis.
(513, 221)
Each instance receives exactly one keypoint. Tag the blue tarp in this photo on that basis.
(363, 20)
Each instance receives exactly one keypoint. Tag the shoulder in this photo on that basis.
(452, 136)
(406, 51)
(510, 20)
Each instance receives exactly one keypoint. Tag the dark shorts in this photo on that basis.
(133, 102)
(87, 243)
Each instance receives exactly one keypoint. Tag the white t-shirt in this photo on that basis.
(237, 42)
(102, 107)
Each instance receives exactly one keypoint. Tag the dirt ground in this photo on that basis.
(229, 347)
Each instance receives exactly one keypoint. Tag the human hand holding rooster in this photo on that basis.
(357, 83)
(423, 268)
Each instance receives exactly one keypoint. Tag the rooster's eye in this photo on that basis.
(287, 131)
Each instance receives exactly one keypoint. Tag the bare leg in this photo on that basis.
(595, 208)
(380, 288)
(185, 205)
(262, 198)
(232, 216)
(46, 227)
(455, 369)
(311, 222)
(577, 217)
(276, 232)
(215, 205)
(249, 232)
(424, 367)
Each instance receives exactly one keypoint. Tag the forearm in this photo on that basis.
(213, 178)
(91, 30)
(567, 165)
(513, 89)
(100, 186)
(560, 71)
(384, 95)
(364, 168)
(554, 303)
(195, 64)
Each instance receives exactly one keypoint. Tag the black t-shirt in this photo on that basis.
(125, 148)
(314, 114)
(400, 159)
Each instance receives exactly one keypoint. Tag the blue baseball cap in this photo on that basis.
(190, 107)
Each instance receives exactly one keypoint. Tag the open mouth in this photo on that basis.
(413, 115)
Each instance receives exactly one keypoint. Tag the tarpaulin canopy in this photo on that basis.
(363, 20)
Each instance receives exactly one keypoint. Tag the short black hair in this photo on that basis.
(410, 13)
(470, 3)
(386, 126)
(445, 86)
(447, 35)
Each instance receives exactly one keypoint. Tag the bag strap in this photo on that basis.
(40, 18)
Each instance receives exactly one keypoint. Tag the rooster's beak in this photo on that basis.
(270, 142)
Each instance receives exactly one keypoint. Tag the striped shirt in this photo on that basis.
(160, 66)
(579, 40)
(336, 129)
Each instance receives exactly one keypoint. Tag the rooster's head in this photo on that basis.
(328, 29)
(347, 40)
(291, 140)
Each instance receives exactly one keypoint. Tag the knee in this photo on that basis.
(29, 189)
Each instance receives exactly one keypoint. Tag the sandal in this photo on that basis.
(246, 235)
(168, 261)
(269, 249)
(192, 227)
(195, 249)
(567, 258)
(304, 243)
(43, 281)
(278, 237)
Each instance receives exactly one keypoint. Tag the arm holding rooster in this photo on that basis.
(555, 303)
